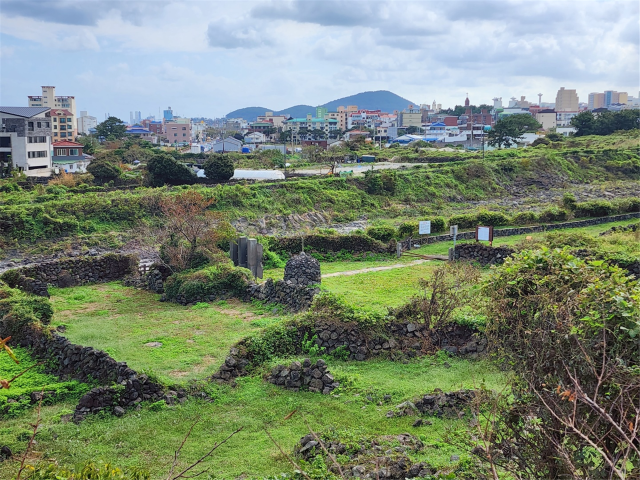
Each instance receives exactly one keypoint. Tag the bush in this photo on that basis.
(495, 219)
(569, 201)
(553, 214)
(594, 208)
(408, 229)
(384, 233)
(19, 309)
(524, 218)
(438, 224)
(88, 471)
(103, 171)
(10, 187)
(464, 220)
(218, 167)
(164, 169)
(221, 279)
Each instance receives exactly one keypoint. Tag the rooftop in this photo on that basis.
(26, 112)
(317, 120)
(67, 143)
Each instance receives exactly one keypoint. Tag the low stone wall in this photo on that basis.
(303, 269)
(508, 232)
(285, 292)
(68, 272)
(482, 253)
(297, 375)
(449, 404)
(68, 360)
(359, 343)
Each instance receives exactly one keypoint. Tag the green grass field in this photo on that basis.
(148, 438)
(121, 320)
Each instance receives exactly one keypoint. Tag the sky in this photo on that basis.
(207, 58)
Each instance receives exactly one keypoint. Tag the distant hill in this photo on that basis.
(380, 99)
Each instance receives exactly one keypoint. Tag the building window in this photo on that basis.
(62, 120)
(63, 135)
(5, 142)
(55, 127)
(36, 139)
(63, 127)
(40, 154)
(55, 119)
(47, 124)
(184, 128)
(73, 151)
(30, 126)
(61, 152)
(175, 134)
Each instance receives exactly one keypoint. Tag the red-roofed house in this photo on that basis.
(68, 157)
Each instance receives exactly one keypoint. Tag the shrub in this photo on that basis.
(594, 208)
(464, 220)
(438, 224)
(103, 171)
(569, 201)
(164, 169)
(10, 187)
(495, 219)
(88, 471)
(408, 229)
(553, 214)
(218, 167)
(271, 259)
(215, 280)
(384, 233)
(524, 218)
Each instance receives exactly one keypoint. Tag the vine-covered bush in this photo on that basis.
(214, 280)
(383, 233)
(329, 243)
(19, 309)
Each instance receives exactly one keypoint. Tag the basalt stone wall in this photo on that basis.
(303, 269)
(481, 253)
(298, 375)
(68, 272)
(68, 360)
(285, 292)
(359, 343)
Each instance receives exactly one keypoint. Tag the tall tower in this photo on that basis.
(539, 99)
(466, 102)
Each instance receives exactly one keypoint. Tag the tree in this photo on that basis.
(605, 123)
(508, 130)
(219, 167)
(191, 232)
(89, 143)
(111, 128)
(164, 169)
(584, 123)
(285, 136)
(103, 170)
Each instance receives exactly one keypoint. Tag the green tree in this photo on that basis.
(89, 143)
(111, 128)
(584, 123)
(103, 170)
(218, 167)
(508, 130)
(164, 169)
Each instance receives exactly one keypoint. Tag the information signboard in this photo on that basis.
(424, 227)
(484, 234)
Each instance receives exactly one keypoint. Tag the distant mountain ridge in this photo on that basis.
(378, 100)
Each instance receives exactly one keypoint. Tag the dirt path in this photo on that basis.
(374, 269)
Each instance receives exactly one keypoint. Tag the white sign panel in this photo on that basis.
(424, 228)
(483, 233)
(453, 230)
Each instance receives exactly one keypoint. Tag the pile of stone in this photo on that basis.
(379, 458)
(115, 400)
(233, 366)
(293, 295)
(449, 404)
(297, 375)
(303, 269)
(481, 253)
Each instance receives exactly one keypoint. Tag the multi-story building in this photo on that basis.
(321, 112)
(25, 140)
(167, 114)
(567, 101)
(68, 157)
(596, 100)
(49, 99)
(547, 118)
(62, 124)
(156, 127)
(307, 125)
(86, 123)
(563, 119)
(410, 117)
(135, 118)
(276, 120)
(365, 119)
(176, 131)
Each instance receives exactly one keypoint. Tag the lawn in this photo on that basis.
(148, 438)
(121, 320)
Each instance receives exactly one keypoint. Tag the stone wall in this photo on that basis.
(482, 253)
(303, 269)
(68, 272)
(285, 292)
(298, 375)
(360, 343)
(71, 361)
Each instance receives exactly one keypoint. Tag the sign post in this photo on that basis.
(453, 230)
(484, 234)
(424, 228)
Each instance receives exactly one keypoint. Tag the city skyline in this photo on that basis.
(208, 58)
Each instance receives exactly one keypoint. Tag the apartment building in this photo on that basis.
(567, 101)
(86, 123)
(410, 117)
(25, 140)
(276, 120)
(309, 124)
(49, 99)
(547, 118)
(62, 126)
(176, 131)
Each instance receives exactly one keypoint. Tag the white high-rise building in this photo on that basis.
(49, 99)
(86, 122)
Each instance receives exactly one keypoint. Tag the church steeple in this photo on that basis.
(466, 102)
